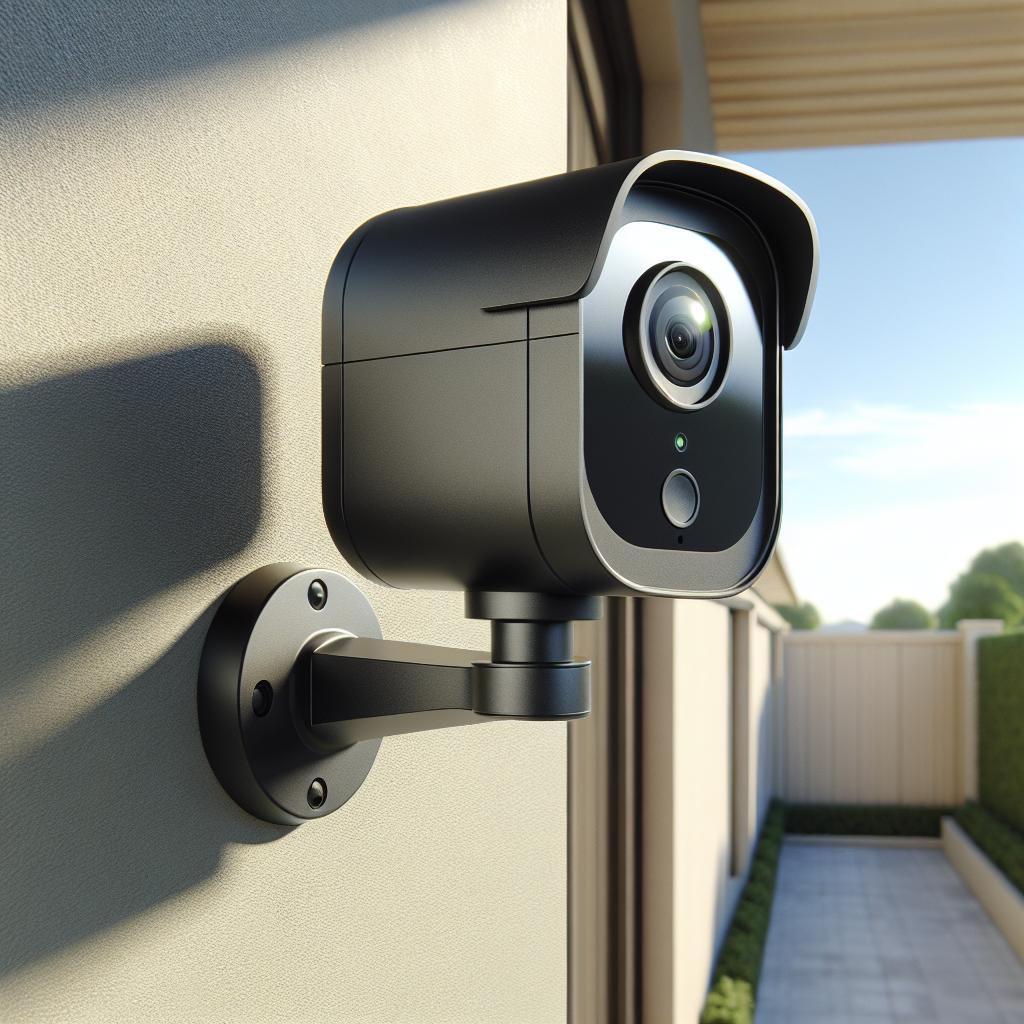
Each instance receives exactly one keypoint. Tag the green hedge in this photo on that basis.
(1001, 726)
(1003, 844)
(734, 984)
(863, 820)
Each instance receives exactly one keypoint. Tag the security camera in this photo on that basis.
(569, 386)
(538, 395)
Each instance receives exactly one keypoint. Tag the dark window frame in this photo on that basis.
(601, 45)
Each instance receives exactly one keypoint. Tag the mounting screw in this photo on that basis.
(317, 594)
(317, 795)
(262, 698)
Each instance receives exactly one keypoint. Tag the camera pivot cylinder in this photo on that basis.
(531, 673)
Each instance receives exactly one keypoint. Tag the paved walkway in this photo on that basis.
(880, 936)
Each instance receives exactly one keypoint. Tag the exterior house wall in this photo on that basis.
(706, 767)
(686, 798)
(175, 186)
(762, 737)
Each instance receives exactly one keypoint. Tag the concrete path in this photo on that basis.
(879, 936)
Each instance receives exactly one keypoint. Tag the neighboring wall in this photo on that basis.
(883, 716)
(706, 755)
(176, 179)
(670, 778)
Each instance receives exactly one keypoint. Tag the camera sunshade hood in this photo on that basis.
(535, 243)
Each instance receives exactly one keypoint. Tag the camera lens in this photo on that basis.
(681, 341)
(682, 329)
(676, 332)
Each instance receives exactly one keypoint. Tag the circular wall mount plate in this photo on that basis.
(253, 695)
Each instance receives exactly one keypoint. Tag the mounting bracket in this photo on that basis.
(297, 687)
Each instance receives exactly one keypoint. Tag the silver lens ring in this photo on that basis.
(684, 337)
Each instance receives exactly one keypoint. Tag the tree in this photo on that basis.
(902, 613)
(800, 616)
(1006, 560)
(982, 595)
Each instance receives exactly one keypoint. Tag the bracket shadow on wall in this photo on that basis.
(297, 688)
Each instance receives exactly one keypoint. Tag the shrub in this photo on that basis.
(800, 616)
(981, 595)
(1003, 844)
(734, 984)
(729, 1002)
(903, 614)
(861, 820)
(1001, 726)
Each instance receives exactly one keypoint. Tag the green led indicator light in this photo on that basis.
(680, 442)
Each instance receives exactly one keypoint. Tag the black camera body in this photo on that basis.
(570, 386)
(539, 395)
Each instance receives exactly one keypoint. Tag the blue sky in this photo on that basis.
(904, 403)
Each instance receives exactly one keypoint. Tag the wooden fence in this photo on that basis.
(878, 717)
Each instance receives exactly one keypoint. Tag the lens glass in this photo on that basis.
(682, 342)
(682, 329)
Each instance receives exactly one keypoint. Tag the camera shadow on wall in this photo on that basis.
(119, 482)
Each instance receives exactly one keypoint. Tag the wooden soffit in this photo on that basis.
(793, 73)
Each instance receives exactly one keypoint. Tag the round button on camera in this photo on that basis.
(680, 498)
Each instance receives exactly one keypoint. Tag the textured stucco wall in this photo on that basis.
(175, 180)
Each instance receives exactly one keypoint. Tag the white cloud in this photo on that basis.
(857, 421)
(883, 501)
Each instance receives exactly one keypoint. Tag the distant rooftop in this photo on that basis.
(846, 626)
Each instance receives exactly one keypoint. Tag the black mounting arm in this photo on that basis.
(364, 689)
(296, 687)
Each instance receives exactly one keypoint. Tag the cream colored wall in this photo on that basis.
(752, 725)
(703, 691)
(175, 183)
(762, 731)
(686, 806)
